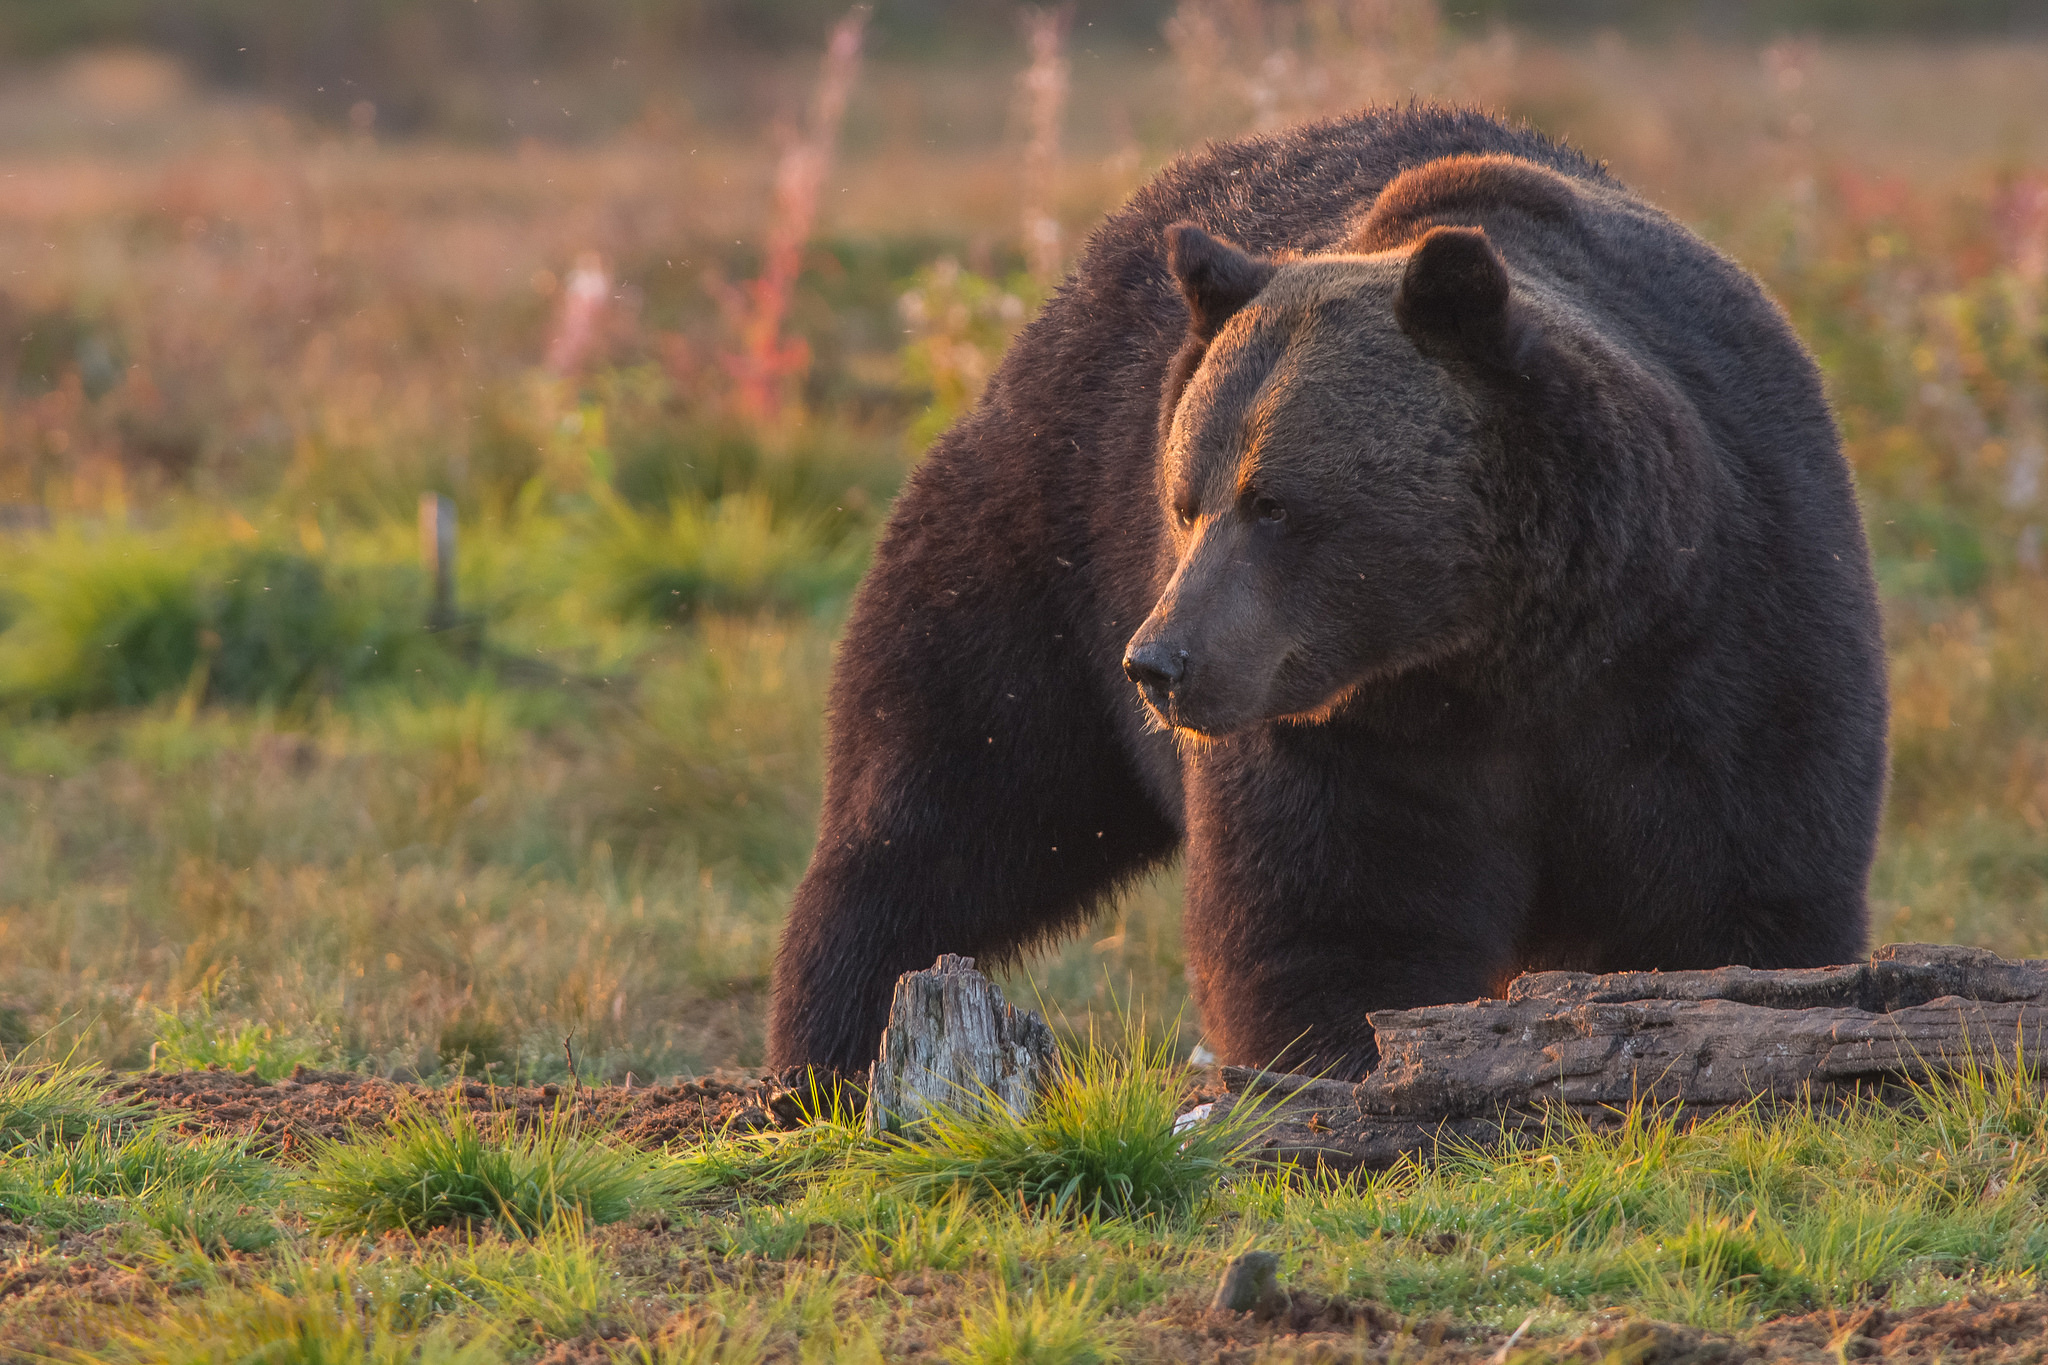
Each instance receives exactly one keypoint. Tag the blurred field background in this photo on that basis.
(668, 325)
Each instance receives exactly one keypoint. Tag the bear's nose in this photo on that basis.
(1156, 668)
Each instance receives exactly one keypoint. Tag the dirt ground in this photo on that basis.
(1318, 1329)
(282, 1115)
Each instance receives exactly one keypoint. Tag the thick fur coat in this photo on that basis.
(1451, 553)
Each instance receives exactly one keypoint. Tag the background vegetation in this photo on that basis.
(251, 808)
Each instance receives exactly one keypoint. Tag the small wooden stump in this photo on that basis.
(954, 1043)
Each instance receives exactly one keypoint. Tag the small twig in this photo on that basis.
(570, 1053)
(1501, 1356)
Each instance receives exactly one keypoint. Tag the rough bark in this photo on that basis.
(1568, 1042)
(953, 1043)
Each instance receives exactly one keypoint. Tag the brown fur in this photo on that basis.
(1482, 548)
(1464, 189)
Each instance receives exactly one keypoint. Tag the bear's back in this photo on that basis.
(1653, 291)
(1655, 288)
(1300, 191)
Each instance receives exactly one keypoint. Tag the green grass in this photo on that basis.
(56, 1104)
(120, 619)
(739, 554)
(769, 1165)
(452, 1167)
(312, 1314)
(107, 1162)
(209, 1224)
(1046, 1328)
(196, 1040)
(205, 1195)
(1718, 1224)
(752, 1247)
(1099, 1144)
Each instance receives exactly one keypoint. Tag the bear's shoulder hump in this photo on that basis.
(1464, 190)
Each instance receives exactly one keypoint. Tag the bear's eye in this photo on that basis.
(1184, 515)
(1268, 510)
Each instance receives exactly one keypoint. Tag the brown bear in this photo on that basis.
(1451, 553)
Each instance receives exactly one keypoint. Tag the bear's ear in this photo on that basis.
(1215, 277)
(1454, 295)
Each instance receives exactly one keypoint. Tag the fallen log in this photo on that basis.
(1574, 1043)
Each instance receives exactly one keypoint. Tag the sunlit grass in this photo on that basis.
(200, 1039)
(1099, 1143)
(1036, 1328)
(314, 1314)
(55, 1104)
(107, 1162)
(207, 1194)
(740, 553)
(452, 1167)
(773, 1165)
(119, 619)
(1721, 1224)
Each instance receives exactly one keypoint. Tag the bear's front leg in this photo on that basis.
(1330, 875)
(981, 791)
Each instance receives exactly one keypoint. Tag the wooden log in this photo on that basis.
(1566, 1042)
(952, 1042)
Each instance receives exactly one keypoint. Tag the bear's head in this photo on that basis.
(1324, 435)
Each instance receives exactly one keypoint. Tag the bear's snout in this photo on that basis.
(1157, 670)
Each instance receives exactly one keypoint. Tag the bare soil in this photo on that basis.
(281, 1115)
(1313, 1328)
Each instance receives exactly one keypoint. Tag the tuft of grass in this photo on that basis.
(1037, 1328)
(1718, 1269)
(766, 1165)
(700, 1339)
(1988, 1129)
(559, 1282)
(192, 1192)
(51, 1105)
(740, 553)
(209, 1224)
(1099, 1143)
(193, 1042)
(892, 1237)
(119, 620)
(321, 1314)
(451, 1167)
(109, 1163)
(803, 1317)
(97, 623)
(773, 1165)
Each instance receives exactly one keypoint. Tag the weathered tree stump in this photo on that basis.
(1702, 1040)
(953, 1043)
